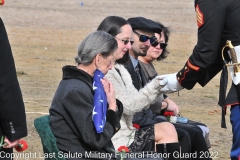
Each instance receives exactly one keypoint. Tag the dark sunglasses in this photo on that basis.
(125, 42)
(162, 45)
(144, 38)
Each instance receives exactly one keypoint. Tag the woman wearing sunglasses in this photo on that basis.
(161, 132)
(158, 51)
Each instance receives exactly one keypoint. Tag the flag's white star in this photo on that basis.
(101, 125)
(94, 112)
(94, 87)
(101, 100)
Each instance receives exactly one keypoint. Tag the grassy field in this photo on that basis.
(44, 36)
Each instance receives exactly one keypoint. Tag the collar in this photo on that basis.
(134, 61)
(72, 72)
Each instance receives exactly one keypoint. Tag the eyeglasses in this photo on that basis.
(125, 41)
(144, 38)
(162, 45)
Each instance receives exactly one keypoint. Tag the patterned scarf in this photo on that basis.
(100, 102)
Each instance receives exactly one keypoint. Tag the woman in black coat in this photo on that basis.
(72, 107)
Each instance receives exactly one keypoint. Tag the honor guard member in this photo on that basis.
(217, 21)
(13, 124)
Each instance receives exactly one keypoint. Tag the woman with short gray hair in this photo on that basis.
(73, 106)
(95, 43)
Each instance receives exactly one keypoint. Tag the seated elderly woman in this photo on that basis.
(74, 105)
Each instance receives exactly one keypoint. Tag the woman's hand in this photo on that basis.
(10, 144)
(172, 106)
(110, 93)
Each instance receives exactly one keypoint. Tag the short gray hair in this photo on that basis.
(97, 42)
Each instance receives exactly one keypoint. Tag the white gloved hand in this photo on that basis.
(160, 79)
(170, 83)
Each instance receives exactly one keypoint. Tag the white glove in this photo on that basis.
(170, 83)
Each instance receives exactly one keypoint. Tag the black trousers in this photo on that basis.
(6, 153)
(198, 143)
(184, 141)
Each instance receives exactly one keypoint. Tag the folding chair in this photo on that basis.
(42, 125)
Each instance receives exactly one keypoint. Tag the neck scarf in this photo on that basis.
(100, 102)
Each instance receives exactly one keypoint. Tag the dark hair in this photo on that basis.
(112, 25)
(166, 33)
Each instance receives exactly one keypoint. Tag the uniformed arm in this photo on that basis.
(132, 99)
(79, 107)
(12, 111)
(211, 17)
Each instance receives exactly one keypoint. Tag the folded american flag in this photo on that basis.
(100, 102)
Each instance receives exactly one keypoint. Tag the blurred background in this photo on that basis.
(44, 36)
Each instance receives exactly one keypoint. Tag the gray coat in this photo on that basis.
(71, 115)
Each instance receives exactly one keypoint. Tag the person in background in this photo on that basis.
(12, 111)
(164, 134)
(164, 103)
(73, 105)
(217, 22)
